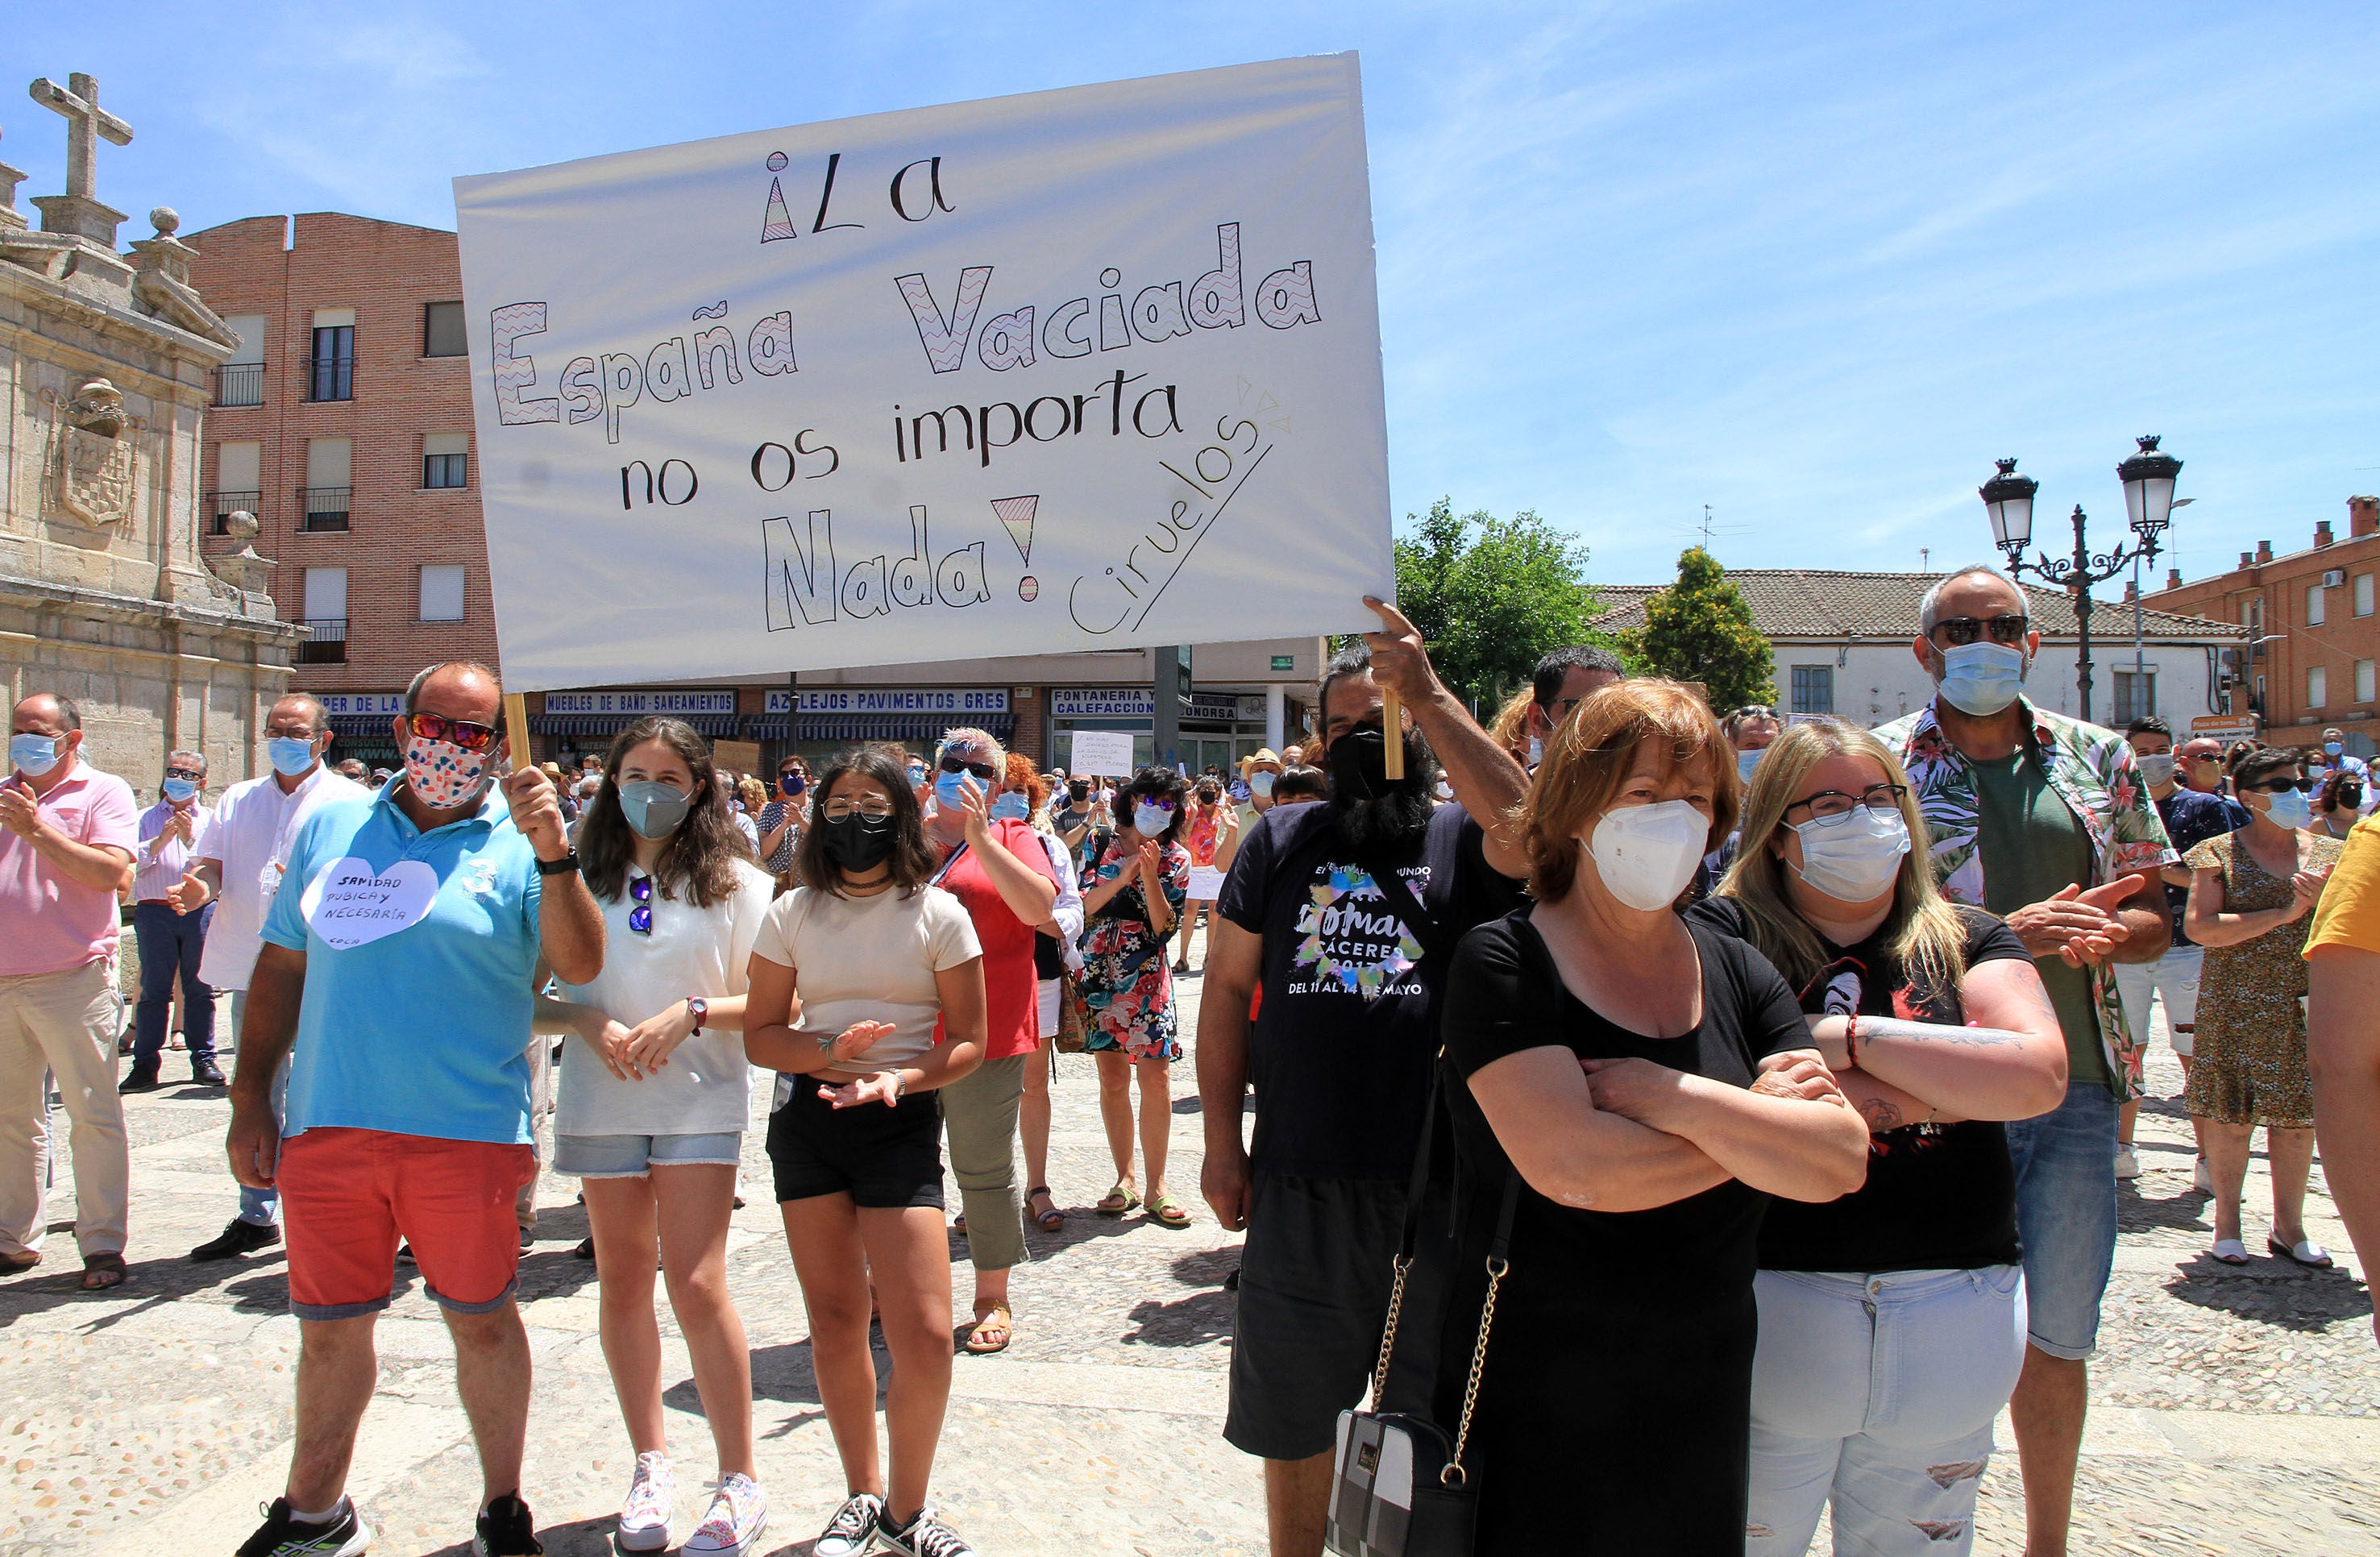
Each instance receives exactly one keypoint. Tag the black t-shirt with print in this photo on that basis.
(1348, 1020)
(1937, 1196)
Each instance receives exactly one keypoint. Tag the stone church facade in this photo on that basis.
(107, 366)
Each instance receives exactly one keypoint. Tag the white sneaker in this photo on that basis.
(853, 1528)
(2201, 1180)
(645, 1512)
(738, 1513)
(2128, 1162)
(926, 1537)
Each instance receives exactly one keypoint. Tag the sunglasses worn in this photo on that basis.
(1954, 631)
(983, 771)
(640, 917)
(184, 773)
(454, 732)
(2282, 787)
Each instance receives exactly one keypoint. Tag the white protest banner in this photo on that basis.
(1077, 369)
(1107, 753)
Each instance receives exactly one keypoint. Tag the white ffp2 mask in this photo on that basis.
(1646, 854)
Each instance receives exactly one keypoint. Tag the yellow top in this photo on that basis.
(2349, 914)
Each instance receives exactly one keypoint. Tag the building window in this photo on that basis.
(331, 371)
(240, 381)
(2135, 695)
(2318, 686)
(324, 500)
(2313, 606)
(238, 484)
(444, 458)
(326, 617)
(441, 593)
(1814, 690)
(2365, 691)
(2364, 594)
(442, 330)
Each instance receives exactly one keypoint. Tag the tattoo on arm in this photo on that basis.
(1940, 1032)
(1880, 1115)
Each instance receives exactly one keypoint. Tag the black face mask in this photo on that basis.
(1080, 792)
(1359, 763)
(2350, 796)
(859, 843)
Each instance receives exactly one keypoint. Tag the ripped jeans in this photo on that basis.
(1877, 1394)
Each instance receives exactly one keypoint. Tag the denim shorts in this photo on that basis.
(2066, 1214)
(631, 1156)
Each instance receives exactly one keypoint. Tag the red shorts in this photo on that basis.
(348, 1196)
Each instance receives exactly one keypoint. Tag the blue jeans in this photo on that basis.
(2066, 1214)
(170, 942)
(261, 1207)
(1876, 1394)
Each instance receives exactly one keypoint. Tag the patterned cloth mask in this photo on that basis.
(443, 774)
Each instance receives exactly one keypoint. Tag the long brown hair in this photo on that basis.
(699, 857)
(1589, 759)
(911, 860)
(1925, 934)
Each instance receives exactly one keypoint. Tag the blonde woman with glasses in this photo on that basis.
(1893, 1321)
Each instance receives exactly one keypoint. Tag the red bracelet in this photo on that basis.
(1851, 1040)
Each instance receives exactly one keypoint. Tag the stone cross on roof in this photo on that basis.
(79, 209)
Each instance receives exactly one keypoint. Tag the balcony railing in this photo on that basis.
(239, 383)
(323, 507)
(331, 378)
(222, 505)
(328, 646)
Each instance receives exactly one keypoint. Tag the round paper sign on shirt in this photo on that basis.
(351, 905)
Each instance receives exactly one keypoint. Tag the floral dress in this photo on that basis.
(1126, 983)
(2249, 1055)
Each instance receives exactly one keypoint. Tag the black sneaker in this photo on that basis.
(405, 1254)
(236, 1238)
(204, 1072)
(505, 1529)
(280, 1536)
(926, 1537)
(139, 1081)
(528, 1240)
(853, 1529)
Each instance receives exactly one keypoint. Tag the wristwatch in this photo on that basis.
(698, 1008)
(562, 867)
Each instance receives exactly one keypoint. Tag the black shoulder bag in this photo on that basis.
(1399, 1487)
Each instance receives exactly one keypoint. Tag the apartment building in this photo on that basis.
(2312, 653)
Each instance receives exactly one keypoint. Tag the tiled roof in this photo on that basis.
(1814, 603)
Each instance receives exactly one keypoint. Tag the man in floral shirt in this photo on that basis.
(2046, 823)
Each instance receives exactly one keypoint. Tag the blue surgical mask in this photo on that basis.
(1149, 821)
(289, 755)
(653, 810)
(950, 791)
(1744, 763)
(1982, 677)
(179, 790)
(33, 755)
(791, 785)
(2290, 809)
(1012, 806)
(916, 774)
(2334, 747)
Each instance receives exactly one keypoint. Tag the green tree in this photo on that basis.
(1699, 629)
(1491, 596)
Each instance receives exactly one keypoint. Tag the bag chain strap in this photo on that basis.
(1454, 1474)
(1389, 1330)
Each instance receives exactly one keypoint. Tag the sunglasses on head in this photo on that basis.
(640, 917)
(1957, 630)
(454, 732)
(955, 764)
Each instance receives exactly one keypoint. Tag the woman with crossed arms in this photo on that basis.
(854, 972)
(1892, 1321)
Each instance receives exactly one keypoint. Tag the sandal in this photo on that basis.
(959, 1226)
(1119, 1201)
(1051, 1221)
(103, 1271)
(2305, 1252)
(18, 1264)
(997, 1319)
(2229, 1252)
(1166, 1211)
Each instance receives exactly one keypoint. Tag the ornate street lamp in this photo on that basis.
(2148, 479)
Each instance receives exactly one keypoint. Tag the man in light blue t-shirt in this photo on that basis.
(396, 974)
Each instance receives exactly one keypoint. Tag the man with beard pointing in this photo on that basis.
(1346, 915)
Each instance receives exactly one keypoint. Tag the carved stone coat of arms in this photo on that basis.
(98, 488)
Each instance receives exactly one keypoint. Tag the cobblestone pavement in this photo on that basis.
(2234, 1412)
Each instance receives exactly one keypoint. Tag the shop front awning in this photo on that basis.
(718, 726)
(882, 726)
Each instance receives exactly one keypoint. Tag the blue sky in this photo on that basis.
(1813, 266)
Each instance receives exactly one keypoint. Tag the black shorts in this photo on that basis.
(1314, 1276)
(883, 1158)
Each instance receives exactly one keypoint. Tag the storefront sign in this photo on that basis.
(893, 699)
(1137, 702)
(640, 702)
(352, 703)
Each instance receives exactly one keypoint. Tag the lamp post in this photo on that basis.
(2148, 478)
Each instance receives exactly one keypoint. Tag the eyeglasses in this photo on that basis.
(640, 917)
(1829, 807)
(1160, 802)
(184, 773)
(1957, 630)
(873, 808)
(984, 771)
(454, 732)
(1755, 711)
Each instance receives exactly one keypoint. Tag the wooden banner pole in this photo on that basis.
(517, 729)
(1393, 729)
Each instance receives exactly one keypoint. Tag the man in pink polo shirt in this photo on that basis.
(67, 836)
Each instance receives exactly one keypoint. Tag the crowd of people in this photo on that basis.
(1709, 1124)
